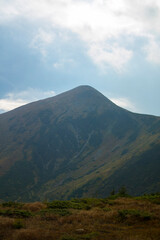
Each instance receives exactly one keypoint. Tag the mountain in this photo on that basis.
(77, 144)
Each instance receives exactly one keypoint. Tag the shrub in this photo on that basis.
(12, 204)
(154, 198)
(58, 204)
(123, 192)
(89, 236)
(139, 215)
(61, 212)
(18, 224)
(67, 237)
(73, 204)
(15, 213)
(106, 209)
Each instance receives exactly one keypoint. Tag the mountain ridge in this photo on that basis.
(77, 143)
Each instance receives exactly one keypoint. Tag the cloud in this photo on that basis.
(96, 23)
(8, 104)
(17, 99)
(58, 65)
(147, 15)
(112, 55)
(41, 40)
(124, 103)
(63, 62)
(8, 12)
(152, 50)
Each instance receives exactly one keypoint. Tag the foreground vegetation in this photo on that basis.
(118, 217)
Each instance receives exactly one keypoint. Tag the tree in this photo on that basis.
(112, 193)
(122, 192)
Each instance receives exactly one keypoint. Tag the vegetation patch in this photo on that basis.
(85, 203)
(18, 224)
(67, 237)
(61, 212)
(87, 236)
(139, 215)
(12, 204)
(15, 213)
(58, 205)
(154, 198)
(125, 218)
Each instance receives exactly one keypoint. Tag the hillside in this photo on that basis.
(77, 144)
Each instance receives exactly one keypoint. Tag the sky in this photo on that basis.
(51, 46)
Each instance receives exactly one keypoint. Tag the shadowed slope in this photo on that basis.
(78, 143)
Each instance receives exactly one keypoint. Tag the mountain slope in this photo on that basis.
(78, 143)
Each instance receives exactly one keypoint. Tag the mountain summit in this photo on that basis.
(77, 144)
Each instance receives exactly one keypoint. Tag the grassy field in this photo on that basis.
(113, 218)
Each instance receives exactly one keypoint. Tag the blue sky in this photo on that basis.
(50, 46)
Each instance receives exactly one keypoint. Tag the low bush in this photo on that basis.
(61, 212)
(12, 204)
(18, 224)
(15, 213)
(86, 204)
(87, 236)
(139, 215)
(67, 237)
(154, 198)
(58, 204)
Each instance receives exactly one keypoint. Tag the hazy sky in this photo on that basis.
(50, 46)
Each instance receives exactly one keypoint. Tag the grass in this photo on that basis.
(124, 218)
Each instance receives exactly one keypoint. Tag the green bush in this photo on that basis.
(61, 212)
(18, 224)
(123, 192)
(154, 197)
(140, 215)
(12, 204)
(86, 236)
(15, 213)
(75, 204)
(59, 204)
(68, 238)
(106, 209)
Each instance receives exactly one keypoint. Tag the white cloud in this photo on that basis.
(17, 99)
(8, 11)
(41, 40)
(124, 103)
(57, 65)
(63, 62)
(152, 50)
(8, 104)
(94, 22)
(146, 13)
(112, 55)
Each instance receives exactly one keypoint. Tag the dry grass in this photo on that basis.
(120, 219)
(34, 207)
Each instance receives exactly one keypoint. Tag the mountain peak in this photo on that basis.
(80, 89)
(77, 138)
(84, 87)
(83, 97)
